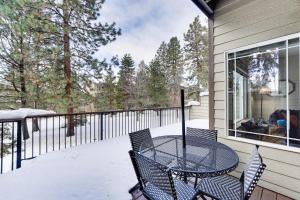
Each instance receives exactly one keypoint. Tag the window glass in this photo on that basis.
(294, 92)
(257, 95)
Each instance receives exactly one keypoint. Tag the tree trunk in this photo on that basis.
(22, 77)
(22, 84)
(67, 66)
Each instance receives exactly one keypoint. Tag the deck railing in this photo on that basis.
(23, 139)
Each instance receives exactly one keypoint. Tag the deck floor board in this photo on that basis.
(258, 194)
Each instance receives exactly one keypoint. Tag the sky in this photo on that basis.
(145, 24)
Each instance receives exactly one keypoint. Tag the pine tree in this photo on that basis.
(109, 87)
(157, 87)
(19, 50)
(141, 83)
(125, 83)
(161, 55)
(174, 69)
(80, 33)
(196, 55)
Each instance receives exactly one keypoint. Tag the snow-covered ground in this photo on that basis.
(96, 171)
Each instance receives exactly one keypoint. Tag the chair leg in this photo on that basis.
(202, 197)
(196, 182)
(135, 187)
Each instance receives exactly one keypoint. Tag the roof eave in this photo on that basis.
(204, 7)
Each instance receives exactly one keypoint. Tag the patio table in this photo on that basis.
(201, 158)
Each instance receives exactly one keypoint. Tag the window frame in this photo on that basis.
(226, 102)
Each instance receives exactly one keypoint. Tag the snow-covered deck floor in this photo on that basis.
(97, 171)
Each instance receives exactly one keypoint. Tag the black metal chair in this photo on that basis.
(200, 133)
(156, 181)
(138, 137)
(227, 187)
(203, 133)
(144, 136)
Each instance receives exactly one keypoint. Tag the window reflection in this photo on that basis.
(259, 91)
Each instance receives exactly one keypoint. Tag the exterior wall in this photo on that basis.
(201, 111)
(239, 23)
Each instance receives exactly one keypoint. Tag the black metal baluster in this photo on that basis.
(90, 128)
(2, 138)
(59, 132)
(125, 125)
(85, 122)
(99, 123)
(19, 145)
(53, 133)
(71, 141)
(148, 111)
(112, 124)
(65, 132)
(25, 143)
(12, 145)
(32, 140)
(104, 127)
(119, 120)
(40, 137)
(75, 125)
(116, 124)
(80, 124)
(135, 121)
(101, 128)
(46, 134)
(122, 124)
(160, 117)
(108, 126)
(94, 128)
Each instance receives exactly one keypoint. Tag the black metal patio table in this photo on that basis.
(201, 158)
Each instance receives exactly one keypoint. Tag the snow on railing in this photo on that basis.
(44, 133)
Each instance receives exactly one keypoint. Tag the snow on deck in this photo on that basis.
(96, 171)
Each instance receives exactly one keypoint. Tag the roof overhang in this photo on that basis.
(204, 7)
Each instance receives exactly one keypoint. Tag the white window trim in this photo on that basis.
(250, 141)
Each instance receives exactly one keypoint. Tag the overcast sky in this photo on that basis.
(145, 24)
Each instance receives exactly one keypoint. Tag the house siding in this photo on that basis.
(201, 111)
(239, 23)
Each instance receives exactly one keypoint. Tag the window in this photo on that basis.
(262, 92)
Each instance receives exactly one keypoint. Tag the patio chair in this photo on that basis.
(138, 137)
(200, 133)
(156, 181)
(227, 187)
(203, 133)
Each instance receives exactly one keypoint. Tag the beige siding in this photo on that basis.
(239, 23)
(201, 111)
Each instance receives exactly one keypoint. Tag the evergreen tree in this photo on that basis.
(174, 69)
(157, 87)
(196, 55)
(19, 49)
(141, 84)
(161, 55)
(80, 33)
(125, 83)
(109, 92)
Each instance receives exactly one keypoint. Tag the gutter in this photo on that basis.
(204, 7)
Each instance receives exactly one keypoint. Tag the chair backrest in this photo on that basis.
(138, 137)
(252, 172)
(204, 133)
(149, 171)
